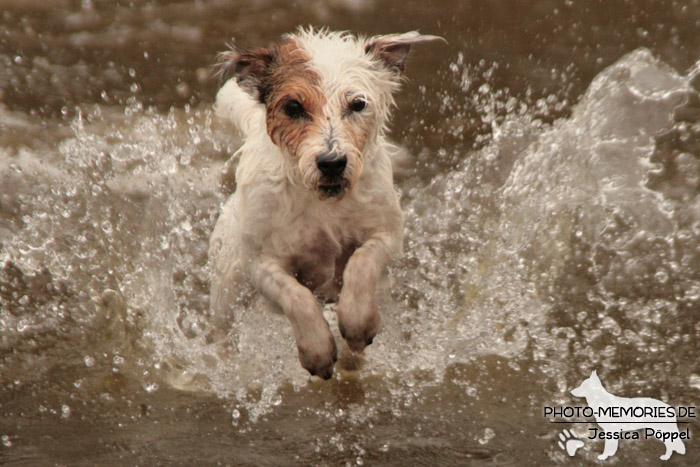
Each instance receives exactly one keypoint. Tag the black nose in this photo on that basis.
(331, 164)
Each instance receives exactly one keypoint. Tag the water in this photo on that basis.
(551, 189)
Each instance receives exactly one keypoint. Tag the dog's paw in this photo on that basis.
(315, 343)
(358, 321)
(318, 356)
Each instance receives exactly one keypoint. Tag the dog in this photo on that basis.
(640, 413)
(314, 212)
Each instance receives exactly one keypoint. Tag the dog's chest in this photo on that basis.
(320, 253)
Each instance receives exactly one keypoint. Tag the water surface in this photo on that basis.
(551, 187)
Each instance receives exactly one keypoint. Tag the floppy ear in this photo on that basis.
(250, 68)
(393, 49)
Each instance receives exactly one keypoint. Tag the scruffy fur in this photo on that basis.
(315, 212)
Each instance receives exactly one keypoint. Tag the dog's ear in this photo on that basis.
(250, 68)
(393, 49)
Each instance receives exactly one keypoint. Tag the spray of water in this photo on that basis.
(566, 246)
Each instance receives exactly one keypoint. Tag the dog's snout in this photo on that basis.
(331, 164)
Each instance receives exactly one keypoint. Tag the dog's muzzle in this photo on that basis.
(332, 166)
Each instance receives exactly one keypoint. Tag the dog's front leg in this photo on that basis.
(357, 308)
(315, 343)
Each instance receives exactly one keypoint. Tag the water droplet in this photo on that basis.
(150, 387)
(487, 436)
(661, 276)
(693, 293)
(183, 89)
(107, 227)
(65, 411)
(89, 361)
(611, 325)
(694, 381)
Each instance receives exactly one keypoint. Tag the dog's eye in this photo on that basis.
(294, 109)
(357, 105)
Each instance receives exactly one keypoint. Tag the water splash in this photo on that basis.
(564, 247)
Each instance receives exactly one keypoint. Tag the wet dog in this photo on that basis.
(315, 212)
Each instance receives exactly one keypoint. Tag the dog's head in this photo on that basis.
(327, 97)
(590, 387)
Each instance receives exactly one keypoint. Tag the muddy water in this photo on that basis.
(551, 186)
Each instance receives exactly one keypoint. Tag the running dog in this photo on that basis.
(315, 213)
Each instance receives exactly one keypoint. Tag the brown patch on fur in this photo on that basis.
(249, 67)
(292, 79)
(275, 76)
